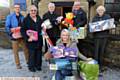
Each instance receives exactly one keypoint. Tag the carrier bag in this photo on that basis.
(88, 70)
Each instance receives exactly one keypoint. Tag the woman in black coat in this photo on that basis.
(101, 38)
(33, 22)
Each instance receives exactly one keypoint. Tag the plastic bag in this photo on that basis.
(89, 71)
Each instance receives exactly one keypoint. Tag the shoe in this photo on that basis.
(100, 74)
(38, 68)
(19, 67)
(32, 69)
(104, 69)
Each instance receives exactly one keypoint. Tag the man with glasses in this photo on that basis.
(12, 25)
(80, 16)
(80, 20)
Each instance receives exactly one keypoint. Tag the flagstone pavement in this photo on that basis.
(8, 68)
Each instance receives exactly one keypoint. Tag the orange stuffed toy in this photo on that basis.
(68, 21)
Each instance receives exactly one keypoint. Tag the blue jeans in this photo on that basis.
(61, 74)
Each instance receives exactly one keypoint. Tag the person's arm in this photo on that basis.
(48, 55)
(83, 20)
(80, 55)
(8, 25)
(23, 29)
(45, 17)
(94, 19)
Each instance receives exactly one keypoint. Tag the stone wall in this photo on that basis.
(44, 8)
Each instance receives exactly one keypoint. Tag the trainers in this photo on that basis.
(100, 74)
(19, 67)
(32, 69)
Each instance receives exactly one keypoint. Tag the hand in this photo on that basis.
(12, 29)
(30, 40)
(71, 26)
(43, 25)
(59, 19)
(89, 59)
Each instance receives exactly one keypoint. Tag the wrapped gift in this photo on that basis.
(47, 24)
(61, 52)
(101, 25)
(32, 34)
(16, 33)
(57, 52)
(70, 52)
(62, 64)
(79, 33)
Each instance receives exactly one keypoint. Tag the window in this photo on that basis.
(113, 8)
(23, 5)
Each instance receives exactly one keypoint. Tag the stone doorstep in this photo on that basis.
(19, 78)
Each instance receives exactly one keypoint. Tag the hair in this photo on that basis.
(76, 3)
(16, 4)
(100, 7)
(51, 4)
(32, 6)
(65, 30)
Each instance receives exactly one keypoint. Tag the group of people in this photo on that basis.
(33, 49)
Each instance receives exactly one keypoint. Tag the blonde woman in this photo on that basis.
(67, 43)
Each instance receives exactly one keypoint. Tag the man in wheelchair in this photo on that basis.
(65, 55)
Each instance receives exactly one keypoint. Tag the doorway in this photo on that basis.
(63, 7)
(66, 10)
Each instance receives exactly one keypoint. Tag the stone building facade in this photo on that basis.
(61, 6)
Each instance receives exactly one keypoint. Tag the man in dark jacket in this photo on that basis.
(101, 38)
(53, 32)
(80, 20)
(80, 16)
(33, 22)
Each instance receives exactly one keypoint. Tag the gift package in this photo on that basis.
(101, 25)
(79, 33)
(16, 33)
(63, 58)
(32, 34)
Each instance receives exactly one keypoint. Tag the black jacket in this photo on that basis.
(80, 18)
(54, 31)
(29, 24)
(101, 34)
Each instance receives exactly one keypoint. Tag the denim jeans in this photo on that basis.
(61, 74)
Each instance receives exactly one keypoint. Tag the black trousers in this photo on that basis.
(100, 48)
(35, 58)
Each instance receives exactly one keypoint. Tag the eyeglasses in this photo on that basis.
(33, 10)
(65, 35)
